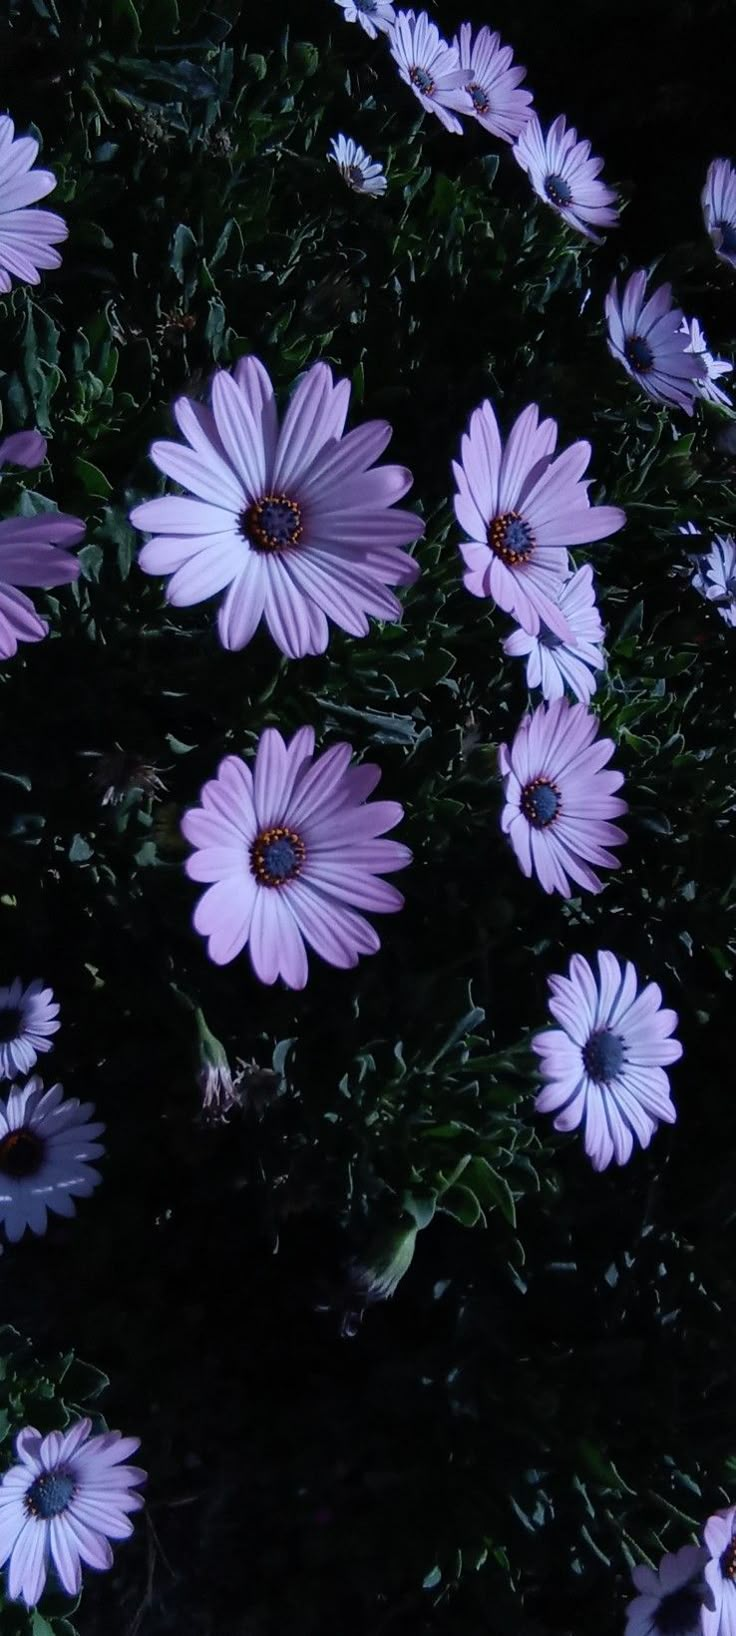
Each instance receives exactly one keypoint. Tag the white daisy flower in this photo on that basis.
(28, 1016)
(362, 173)
(432, 68)
(554, 663)
(714, 366)
(46, 1143)
(373, 15)
(715, 577)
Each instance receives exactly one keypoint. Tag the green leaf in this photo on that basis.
(92, 479)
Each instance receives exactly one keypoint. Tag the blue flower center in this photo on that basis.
(558, 191)
(277, 856)
(639, 354)
(422, 80)
(10, 1023)
(273, 523)
(679, 1613)
(603, 1055)
(727, 231)
(510, 538)
(355, 177)
(49, 1495)
(366, 5)
(540, 802)
(21, 1154)
(479, 97)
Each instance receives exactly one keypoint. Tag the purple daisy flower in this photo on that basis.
(46, 1143)
(33, 550)
(714, 367)
(26, 236)
(292, 851)
(604, 1066)
(28, 1018)
(521, 507)
(67, 1497)
(718, 199)
(431, 66)
(715, 576)
(552, 663)
(292, 521)
(648, 339)
(497, 102)
(565, 176)
(672, 1596)
(720, 1573)
(362, 173)
(373, 15)
(559, 801)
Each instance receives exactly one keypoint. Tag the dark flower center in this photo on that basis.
(273, 523)
(355, 177)
(510, 538)
(50, 1494)
(639, 354)
(479, 97)
(540, 802)
(10, 1023)
(21, 1154)
(679, 1613)
(558, 190)
(603, 1055)
(728, 1560)
(727, 231)
(277, 855)
(366, 5)
(422, 80)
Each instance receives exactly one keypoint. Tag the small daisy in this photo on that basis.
(46, 1143)
(714, 367)
(356, 167)
(521, 506)
(498, 103)
(26, 236)
(604, 1066)
(671, 1597)
(646, 336)
(718, 199)
(720, 1573)
(715, 576)
(559, 801)
(373, 15)
(552, 663)
(431, 67)
(291, 852)
(563, 174)
(28, 1017)
(67, 1497)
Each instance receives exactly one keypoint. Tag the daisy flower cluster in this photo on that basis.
(289, 519)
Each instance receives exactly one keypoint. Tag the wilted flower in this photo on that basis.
(46, 1143)
(375, 1276)
(356, 167)
(214, 1075)
(497, 102)
(26, 236)
(719, 1619)
(119, 773)
(431, 67)
(292, 851)
(559, 801)
(565, 176)
(604, 1066)
(718, 199)
(63, 1502)
(552, 663)
(292, 521)
(714, 367)
(28, 1018)
(373, 15)
(672, 1597)
(715, 576)
(521, 507)
(647, 338)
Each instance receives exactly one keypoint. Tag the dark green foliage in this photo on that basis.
(548, 1397)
